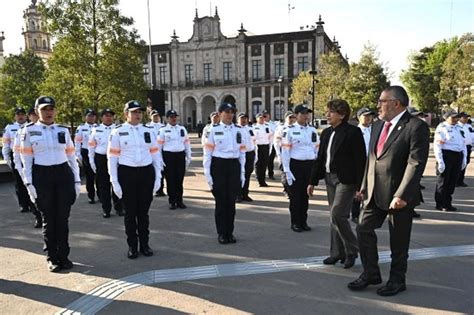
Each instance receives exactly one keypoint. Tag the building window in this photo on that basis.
(256, 50)
(302, 63)
(35, 43)
(162, 75)
(278, 49)
(256, 108)
(188, 73)
(279, 67)
(44, 44)
(208, 72)
(161, 58)
(302, 47)
(256, 70)
(227, 70)
(278, 109)
(256, 91)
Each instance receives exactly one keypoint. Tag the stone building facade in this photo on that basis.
(252, 71)
(35, 32)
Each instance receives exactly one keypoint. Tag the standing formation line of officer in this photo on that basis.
(271, 157)
(264, 140)
(290, 119)
(97, 156)
(214, 120)
(81, 141)
(135, 164)
(300, 145)
(51, 175)
(224, 169)
(450, 152)
(157, 125)
(468, 132)
(250, 154)
(173, 142)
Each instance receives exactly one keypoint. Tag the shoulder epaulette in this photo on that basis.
(215, 125)
(118, 126)
(291, 126)
(238, 126)
(30, 124)
(150, 127)
(63, 126)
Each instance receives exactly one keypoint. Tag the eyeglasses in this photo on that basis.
(386, 101)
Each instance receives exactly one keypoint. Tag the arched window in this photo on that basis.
(44, 44)
(32, 25)
(256, 107)
(35, 43)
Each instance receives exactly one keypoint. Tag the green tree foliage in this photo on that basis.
(20, 77)
(301, 89)
(97, 59)
(367, 79)
(457, 80)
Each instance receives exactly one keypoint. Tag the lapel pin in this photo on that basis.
(399, 128)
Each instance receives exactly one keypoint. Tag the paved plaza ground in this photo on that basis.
(270, 270)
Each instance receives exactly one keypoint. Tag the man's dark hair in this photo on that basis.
(341, 107)
(399, 93)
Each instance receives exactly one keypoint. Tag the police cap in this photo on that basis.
(288, 114)
(226, 106)
(133, 106)
(154, 113)
(89, 111)
(43, 101)
(364, 111)
(20, 110)
(171, 113)
(451, 113)
(245, 115)
(302, 108)
(107, 111)
(31, 111)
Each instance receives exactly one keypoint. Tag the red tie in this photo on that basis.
(383, 138)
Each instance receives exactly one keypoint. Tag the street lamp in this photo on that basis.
(313, 74)
(279, 80)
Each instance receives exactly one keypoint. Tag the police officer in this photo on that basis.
(7, 152)
(450, 153)
(32, 117)
(97, 150)
(468, 133)
(173, 142)
(157, 124)
(52, 179)
(264, 140)
(134, 163)
(224, 169)
(81, 143)
(290, 119)
(271, 158)
(214, 120)
(250, 154)
(300, 143)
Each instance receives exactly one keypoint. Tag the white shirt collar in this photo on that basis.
(395, 119)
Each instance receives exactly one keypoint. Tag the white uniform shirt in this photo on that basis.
(366, 134)
(81, 140)
(134, 146)
(227, 142)
(466, 130)
(16, 150)
(99, 141)
(448, 137)
(9, 137)
(156, 127)
(263, 133)
(278, 136)
(205, 133)
(174, 139)
(299, 143)
(46, 145)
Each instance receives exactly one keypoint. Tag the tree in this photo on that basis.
(301, 88)
(457, 78)
(333, 72)
(97, 60)
(20, 77)
(367, 79)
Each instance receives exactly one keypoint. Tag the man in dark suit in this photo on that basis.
(341, 162)
(398, 152)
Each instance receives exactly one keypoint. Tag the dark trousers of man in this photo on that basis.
(225, 175)
(271, 161)
(249, 165)
(462, 174)
(55, 188)
(104, 187)
(90, 176)
(355, 209)
(400, 223)
(174, 173)
(262, 162)
(298, 193)
(20, 189)
(447, 180)
(137, 187)
(340, 197)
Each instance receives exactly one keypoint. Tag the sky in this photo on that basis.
(396, 28)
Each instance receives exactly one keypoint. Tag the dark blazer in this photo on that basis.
(347, 155)
(398, 169)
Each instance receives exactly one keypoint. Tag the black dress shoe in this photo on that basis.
(271, 177)
(247, 198)
(106, 215)
(146, 251)
(222, 240)
(132, 253)
(238, 199)
(306, 227)
(333, 260)
(439, 207)
(416, 214)
(181, 205)
(160, 193)
(391, 288)
(263, 185)
(173, 206)
(296, 228)
(461, 185)
(54, 266)
(66, 264)
(91, 201)
(363, 282)
(350, 261)
(231, 239)
(449, 209)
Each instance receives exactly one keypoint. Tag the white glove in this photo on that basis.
(157, 185)
(188, 161)
(290, 178)
(441, 167)
(93, 167)
(32, 193)
(163, 165)
(117, 189)
(77, 187)
(242, 179)
(209, 181)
